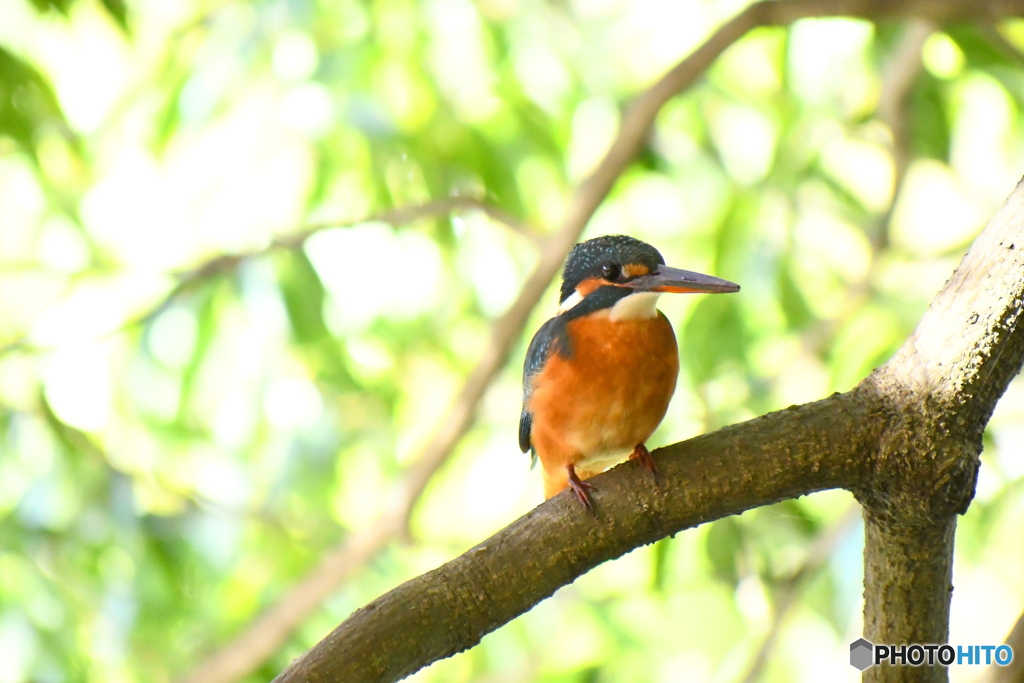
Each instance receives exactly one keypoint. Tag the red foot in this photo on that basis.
(581, 488)
(644, 456)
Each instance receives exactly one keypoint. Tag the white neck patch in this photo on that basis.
(569, 302)
(639, 306)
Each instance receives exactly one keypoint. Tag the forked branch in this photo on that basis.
(939, 389)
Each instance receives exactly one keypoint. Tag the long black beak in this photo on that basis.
(665, 279)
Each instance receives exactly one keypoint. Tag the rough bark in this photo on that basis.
(778, 456)
(907, 584)
(941, 388)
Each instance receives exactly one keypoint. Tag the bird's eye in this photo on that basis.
(611, 271)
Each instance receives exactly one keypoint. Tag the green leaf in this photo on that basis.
(714, 334)
(118, 11)
(725, 541)
(115, 8)
(929, 118)
(794, 305)
(61, 6)
(304, 295)
(979, 48)
(28, 103)
(660, 570)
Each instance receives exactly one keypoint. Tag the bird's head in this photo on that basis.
(627, 263)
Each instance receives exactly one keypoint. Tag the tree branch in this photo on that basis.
(816, 446)
(964, 353)
(941, 387)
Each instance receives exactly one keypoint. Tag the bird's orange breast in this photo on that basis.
(592, 408)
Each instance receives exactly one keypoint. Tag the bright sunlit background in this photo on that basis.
(168, 471)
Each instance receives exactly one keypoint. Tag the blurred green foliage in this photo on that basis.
(163, 482)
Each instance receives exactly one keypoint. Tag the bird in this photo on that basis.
(599, 375)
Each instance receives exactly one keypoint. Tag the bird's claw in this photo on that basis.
(581, 489)
(645, 458)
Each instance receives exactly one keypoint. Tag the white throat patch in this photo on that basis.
(639, 306)
(569, 302)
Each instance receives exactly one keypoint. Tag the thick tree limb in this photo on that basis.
(941, 387)
(762, 461)
(907, 586)
(947, 377)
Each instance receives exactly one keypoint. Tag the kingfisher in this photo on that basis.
(599, 375)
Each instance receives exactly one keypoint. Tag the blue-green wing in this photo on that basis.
(549, 338)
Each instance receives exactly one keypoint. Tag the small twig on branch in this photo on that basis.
(407, 214)
(900, 72)
(898, 76)
(225, 264)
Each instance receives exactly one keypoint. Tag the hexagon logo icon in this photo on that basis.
(862, 654)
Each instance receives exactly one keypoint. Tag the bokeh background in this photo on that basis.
(191, 418)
